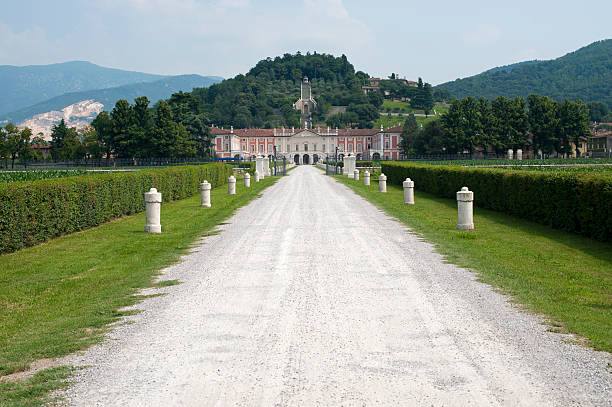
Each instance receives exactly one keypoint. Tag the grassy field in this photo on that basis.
(59, 297)
(563, 276)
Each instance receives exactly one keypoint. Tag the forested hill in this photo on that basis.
(585, 74)
(264, 97)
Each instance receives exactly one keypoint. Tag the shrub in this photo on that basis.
(580, 203)
(33, 212)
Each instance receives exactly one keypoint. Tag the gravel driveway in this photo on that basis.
(312, 296)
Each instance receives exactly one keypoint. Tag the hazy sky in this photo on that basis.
(439, 40)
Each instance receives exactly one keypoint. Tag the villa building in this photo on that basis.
(307, 145)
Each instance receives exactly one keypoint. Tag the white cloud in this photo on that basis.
(483, 34)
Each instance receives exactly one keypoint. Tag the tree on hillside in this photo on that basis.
(428, 101)
(418, 99)
(59, 134)
(597, 111)
(409, 134)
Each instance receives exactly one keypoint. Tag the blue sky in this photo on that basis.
(439, 40)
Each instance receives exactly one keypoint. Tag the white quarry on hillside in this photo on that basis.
(77, 115)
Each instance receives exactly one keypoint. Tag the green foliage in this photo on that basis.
(580, 203)
(32, 175)
(32, 212)
(35, 390)
(264, 97)
(597, 111)
(585, 74)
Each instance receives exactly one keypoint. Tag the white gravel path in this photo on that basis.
(312, 296)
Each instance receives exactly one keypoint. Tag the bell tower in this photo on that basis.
(306, 104)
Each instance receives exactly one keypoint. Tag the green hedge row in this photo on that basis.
(33, 212)
(580, 203)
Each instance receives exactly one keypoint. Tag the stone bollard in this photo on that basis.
(231, 185)
(408, 192)
(519, 154)
(356, 175)
(153, 201)
(510, 154)
(382, 183)
(256, 176)
(247, 180)
(205, 194)
(366, 178)
(465, 209)
(266, 167)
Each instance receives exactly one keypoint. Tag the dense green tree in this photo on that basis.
(428, 100)
(366, 114)
(103, 126)
(59, 135)
(408, 137)
(543, 123)
(573, 122)
(122, 119)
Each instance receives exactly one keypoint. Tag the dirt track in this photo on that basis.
(312, 296)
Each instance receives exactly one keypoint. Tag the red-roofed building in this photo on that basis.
(307, 146)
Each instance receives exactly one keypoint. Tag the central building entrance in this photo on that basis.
(296, 159)
(306, 159)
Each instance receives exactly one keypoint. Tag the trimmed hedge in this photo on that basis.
(579, 203)
(33, 212)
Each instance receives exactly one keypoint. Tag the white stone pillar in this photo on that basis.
(259, 166)
(205, 194)
(153, 201)
(382, 183)
(231, 185)
(356, 175)
(366, 178)
(247, 180)
(266, 165)
(408, 191)
(344, 165)
(510, 154)
(256, 176)
(519, 154)
(465, 209)
(349, 165)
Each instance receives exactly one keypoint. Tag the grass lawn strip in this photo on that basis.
(558, 274)
(59, 297)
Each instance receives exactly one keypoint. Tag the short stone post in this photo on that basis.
(247, 180)
(356, 175)
(519, 154)
(510, 154)
(231, 185)
(465, 209)
(256, 176)
(382, 183)
(205, 194)
(153, 201)
(408, 192)
(366, 178)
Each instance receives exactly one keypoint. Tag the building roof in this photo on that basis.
(215, 131)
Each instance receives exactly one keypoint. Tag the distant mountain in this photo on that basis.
(159, 89)
(584, 74)
(22, 86)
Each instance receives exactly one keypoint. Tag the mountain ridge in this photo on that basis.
(585, 74)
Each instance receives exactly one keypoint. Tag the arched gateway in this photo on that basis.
(306, 159)
(296, 159)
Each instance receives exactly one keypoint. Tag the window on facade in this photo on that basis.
(314, 148)
(386, 144)
(359, 148)
(305, 146)
(226, 148)
(323, 147)
(261, 148)
(252, 149)
(297, 147)
(369, 146)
